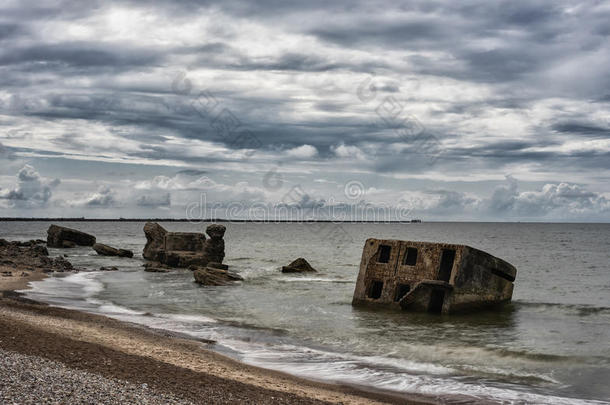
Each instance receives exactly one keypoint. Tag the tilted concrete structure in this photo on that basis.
(433, 277)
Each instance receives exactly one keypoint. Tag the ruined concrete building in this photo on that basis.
(434, 277)
(183, 249)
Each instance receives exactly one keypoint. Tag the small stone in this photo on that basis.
(300, 265)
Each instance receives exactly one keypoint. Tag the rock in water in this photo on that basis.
(216, 265)
(184, 249)
(105, 250)
(125, 253)
(62, 264)
(155, 267)
(300, 265)
(211, 276)
(214, 248)
(155, 240)
(57, 235)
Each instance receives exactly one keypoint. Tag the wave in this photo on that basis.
(314, 279)
(391, 374)
(196, 319)
(77, 285)
(426, 371)
(575, 309)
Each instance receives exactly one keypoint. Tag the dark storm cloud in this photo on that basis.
(8, 31)
(401, 35)
(582, 129)
(80, 55)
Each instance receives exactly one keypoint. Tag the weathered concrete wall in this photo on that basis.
(482, 280)
(183, 249)
(186, 241)
(389, 277)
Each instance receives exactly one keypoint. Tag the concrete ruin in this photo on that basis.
(183, 249)
(431, 277)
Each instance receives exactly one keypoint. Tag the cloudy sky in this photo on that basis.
(471, 110)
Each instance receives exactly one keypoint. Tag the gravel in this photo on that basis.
(34, 380)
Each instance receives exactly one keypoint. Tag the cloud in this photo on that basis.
(185, 190)
(154, 201)
(553, 200)
(104, 197)
(31, 191)
(5, 153)
(192, 172)
(63, 56)
(506, 88)
(302, 152)
(348, 151)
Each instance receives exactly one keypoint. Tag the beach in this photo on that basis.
(136, 364)
(296, 337)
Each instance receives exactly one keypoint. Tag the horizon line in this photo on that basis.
(413, 221)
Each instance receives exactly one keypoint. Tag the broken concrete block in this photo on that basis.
(434, 277)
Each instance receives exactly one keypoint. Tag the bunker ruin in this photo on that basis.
(433, 277)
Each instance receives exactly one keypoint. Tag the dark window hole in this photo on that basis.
(384, 254)
(375, 289)
(411, 256)
(401, 291)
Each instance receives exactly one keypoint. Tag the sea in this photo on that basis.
(551, 345)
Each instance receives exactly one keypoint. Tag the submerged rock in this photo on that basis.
(109, 268)
(29, 243)
(57, 236)
(105, 250)
(300, 265)
(216, 265)
(61, 264)
(125, 253)
(211, 276)
(155, 267)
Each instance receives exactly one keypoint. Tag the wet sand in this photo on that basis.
(20, 277)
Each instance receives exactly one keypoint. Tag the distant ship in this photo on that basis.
(416, 221)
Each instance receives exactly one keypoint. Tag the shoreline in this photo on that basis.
(171, 363)
(165, 361)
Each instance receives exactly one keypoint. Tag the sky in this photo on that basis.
(439, 110)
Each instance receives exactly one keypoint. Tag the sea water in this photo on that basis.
(551, 345)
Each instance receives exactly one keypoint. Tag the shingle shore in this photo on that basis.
(34, 380)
